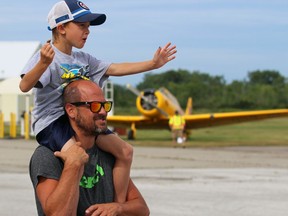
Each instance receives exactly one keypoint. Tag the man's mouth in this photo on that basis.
(102, 117)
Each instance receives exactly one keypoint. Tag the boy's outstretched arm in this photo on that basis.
(30, 79)
(161, 57)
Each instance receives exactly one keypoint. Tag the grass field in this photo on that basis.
(259, 133)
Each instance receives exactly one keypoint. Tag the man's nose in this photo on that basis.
(102, 111)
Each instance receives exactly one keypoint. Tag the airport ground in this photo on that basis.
(238, 181)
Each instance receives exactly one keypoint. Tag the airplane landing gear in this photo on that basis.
(131, 135)
(132, 132)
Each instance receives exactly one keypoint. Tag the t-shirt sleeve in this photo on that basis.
(98, 69)
(44, 79)
(43, 163)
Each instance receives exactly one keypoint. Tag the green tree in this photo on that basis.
(266, 89)
(273, 90)
(236, 96)
(266, 77)
(123, 99)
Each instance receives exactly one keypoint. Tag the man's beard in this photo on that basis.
(90, 129)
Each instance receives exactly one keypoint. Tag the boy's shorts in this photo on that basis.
(57, 134)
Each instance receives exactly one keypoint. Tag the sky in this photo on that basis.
(219, 37)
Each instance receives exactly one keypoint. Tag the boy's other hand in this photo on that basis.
(47, 53)
(164, 55)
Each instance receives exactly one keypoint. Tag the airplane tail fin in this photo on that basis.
(188, 110)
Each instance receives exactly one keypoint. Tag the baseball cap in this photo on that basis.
(73, 10)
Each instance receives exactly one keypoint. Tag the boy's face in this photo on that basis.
(76, 33)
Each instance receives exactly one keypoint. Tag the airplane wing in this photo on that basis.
(140, 122)
(196, 121)
(217, 119)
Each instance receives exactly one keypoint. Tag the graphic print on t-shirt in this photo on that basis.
(91, 181)
(72, 72)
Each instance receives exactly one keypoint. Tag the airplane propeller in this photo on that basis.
(149, 101)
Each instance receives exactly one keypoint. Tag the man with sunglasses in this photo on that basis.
(79, 181)
(57, 63)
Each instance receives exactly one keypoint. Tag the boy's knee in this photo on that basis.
(128, 152)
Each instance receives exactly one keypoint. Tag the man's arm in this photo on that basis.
(61, 197)
(135, 205)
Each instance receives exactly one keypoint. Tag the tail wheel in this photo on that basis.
(130, 135)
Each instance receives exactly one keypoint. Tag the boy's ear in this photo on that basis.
(61, 29)
(70, 110)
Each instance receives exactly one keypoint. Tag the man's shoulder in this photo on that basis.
(44, 159)
(42, 153)
(43, 163)
(42, 149)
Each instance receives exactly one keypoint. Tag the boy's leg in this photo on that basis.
(57, 136)
(63, 133)
(68, 144)
(123, 152)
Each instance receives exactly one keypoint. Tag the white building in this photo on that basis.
(13, 58)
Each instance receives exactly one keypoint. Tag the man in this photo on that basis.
(177, 125)
(77, 180)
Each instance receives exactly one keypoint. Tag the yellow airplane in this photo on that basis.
(157, 105)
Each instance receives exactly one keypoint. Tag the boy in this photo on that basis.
(56, 64)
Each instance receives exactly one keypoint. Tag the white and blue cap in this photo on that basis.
(72, 10)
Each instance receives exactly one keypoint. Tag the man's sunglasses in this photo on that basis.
(95, 106)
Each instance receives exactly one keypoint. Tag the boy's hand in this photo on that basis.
(164, 55)
(47, 53)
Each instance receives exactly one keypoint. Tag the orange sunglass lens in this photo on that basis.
(107, 106)
(95, 106)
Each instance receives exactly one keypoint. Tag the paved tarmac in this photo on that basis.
(238, 181)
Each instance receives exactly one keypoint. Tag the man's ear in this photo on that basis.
(70, 110)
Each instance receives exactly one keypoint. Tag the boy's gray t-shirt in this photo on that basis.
(96, 185)
(48, 105)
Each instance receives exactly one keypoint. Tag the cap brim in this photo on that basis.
(94, 19)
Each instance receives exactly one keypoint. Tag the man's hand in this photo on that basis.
(108, 209)
(164, 55)
(74, 155)
(134, 205)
